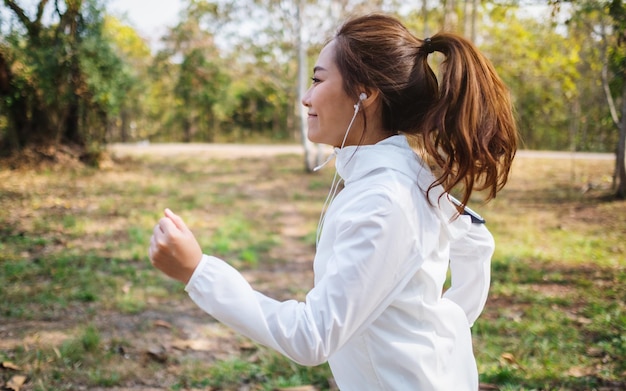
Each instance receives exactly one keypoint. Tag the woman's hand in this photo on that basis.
(173, 248)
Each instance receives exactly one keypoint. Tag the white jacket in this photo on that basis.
(376, 312)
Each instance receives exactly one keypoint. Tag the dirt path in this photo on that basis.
(223, 151)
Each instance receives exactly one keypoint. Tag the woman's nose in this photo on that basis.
(306, 99)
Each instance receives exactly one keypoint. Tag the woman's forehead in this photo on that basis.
(326, 58)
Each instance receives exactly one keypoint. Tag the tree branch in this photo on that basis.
(605, 76)
(33, 26)
(5, 76)
(40, 7)
(609, 97)
(21, 15)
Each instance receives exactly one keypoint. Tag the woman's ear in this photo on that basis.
(368, 97)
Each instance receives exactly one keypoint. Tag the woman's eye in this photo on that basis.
(315, 80)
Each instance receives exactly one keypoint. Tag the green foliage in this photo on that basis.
(540, 67)
(86, 77)
(63, 80)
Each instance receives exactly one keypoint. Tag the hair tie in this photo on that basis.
(427, 46)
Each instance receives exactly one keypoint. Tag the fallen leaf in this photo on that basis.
(581, 371)
(157, 353)
(193, 344)
(509, 358)
(595, 352)
(247, 346)
(16, 383)
(162, 323)
(10, 365)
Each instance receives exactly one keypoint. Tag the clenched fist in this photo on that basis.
(173, 248)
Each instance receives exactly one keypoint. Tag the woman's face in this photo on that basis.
(330, 108)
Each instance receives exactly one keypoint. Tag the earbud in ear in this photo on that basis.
(362, 97)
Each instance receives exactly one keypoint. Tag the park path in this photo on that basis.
(235, 151)
(218, 151)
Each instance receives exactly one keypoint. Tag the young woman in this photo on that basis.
(377, 313)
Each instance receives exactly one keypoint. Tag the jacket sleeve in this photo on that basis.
(366, 270)
(470, 262)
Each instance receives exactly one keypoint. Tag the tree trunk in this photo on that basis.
(71, 132)
(450, 19)
(124, 125)
(6, 77)
(469, 19)
(187, 131)
(620, 161)
(425, 16)
(309, 159)
(474, 17)
(466, 18)
(24, 113)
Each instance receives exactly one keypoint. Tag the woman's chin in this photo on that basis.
(314, 137)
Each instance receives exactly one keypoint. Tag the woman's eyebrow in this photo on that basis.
(318, 68)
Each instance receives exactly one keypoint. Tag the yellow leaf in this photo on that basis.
(162, 323)
(10, 365)
(580, 371)
(16, 383)
(509, 358)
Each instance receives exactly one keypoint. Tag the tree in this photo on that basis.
(283, 41)
(541, 76)
(470, 13)
(617, 56)
(129, 120)
(58, 81)
(286, 51)
(611, 36)
(198, 71)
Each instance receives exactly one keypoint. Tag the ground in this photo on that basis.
(175, 331)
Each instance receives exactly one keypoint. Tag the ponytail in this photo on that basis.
(469, 129)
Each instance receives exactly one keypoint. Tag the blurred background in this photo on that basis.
(91, 72)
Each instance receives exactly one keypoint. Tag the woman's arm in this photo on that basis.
(367, 267)
(470, 262)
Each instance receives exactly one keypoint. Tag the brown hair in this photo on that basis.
(465, 122)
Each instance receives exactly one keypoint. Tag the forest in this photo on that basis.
(72, 74)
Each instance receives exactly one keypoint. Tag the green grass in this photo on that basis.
(81, 306)
(267, 369)
(555, 319)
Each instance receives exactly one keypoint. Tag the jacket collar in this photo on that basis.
(394, 152)
(356, 162)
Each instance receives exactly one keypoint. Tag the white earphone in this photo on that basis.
(362, 97)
